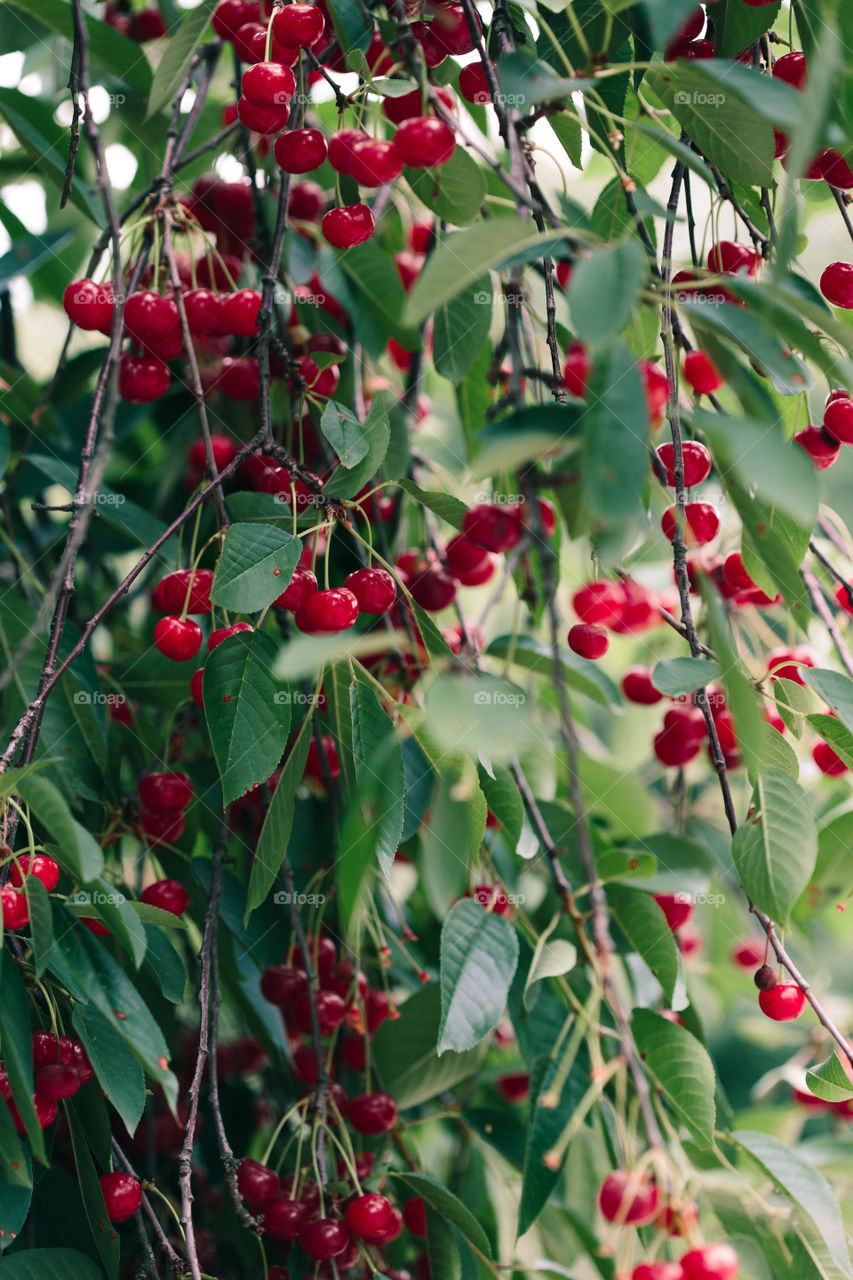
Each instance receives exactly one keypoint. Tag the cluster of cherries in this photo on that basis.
(633, 1199)
(164, 799)
(823, 443)
(13, 899)
(140, 25)
(60, 1067)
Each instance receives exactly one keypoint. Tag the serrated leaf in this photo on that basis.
(604, 289)
(835, 734)
(829, 1081)
(278, 823)
(738, 25)
(460, 329)
(256, 565)
(681, 1067)
(644, 925)
(679, 676)
(775, 848)
(479, 954)
(480, 715)
(449, 1206)
(175, 62)
(76, 851)
(776, 753)
(344, 433)
(41, 923)
(443, 505)
(454, 192)
(445, 1262)
(551, 959)
(791, 698)
(118, 1072)
(247, 718)
(544, 1126)
(835, 689)
(405, 1054)
(345, 483)
(504, 800)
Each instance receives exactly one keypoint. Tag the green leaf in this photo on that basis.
(420, 787)
(570, 135)
(835, 689)
(451, 839)
(550, 960)
(15, 1196)
(379, 768)
(460, 330)
(256, 564)
(604, 290)
(449, 1207)
(520, 437)
(478, 715)
(444, 505)
(166, 964)
(177, 57)
(615, 429)
(376, 427)
(247, 716)
(666, 16)
(681, 1067)
(379, 282)
(16, 1049)
(76, 851)
(117, 1069)
(404, 1052)
(762, 342)
(777, 753)
(829, 1081)
(579, 674)
(117, 53)
(434, 642)
(105, 1237)
(774, 850)
(679, 676)
(275, 833)
(454, 192)
(14, 1165)
(344, 433)
(792, 703)
(479, 954)
(50, 1264)
(738, 25)
(463, 257)
(644, 925)
(41, 923)
(29, 253)
(815, 1211)
(504, 801)
(445, 1262)
(46, 143)
(544, 1126)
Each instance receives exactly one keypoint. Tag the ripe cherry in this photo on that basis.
(122, 1195)
(282, 984)
(261, 120)
(827, 760)
(424, 142)
(298, 25)
(677, 907)
(88, 305)
(514, 1087)
(838, 419)
(375, 161)
(147, 315)
(168, 895)
(256, 1183)
(787, 662)
(835, 170)
(701, 523)
(656, 389)
(712, 1261)
(675, 749)
(240, 313)
(230, 15)
(374, 589)
(162, 828)
(324, 1238)
(298, 591)
(187, 590)
(84, 1068)
(48, 1050)
(314, 763)
(165, 792)
(639, 610)
(493, 526)
(284, 1218)
(701, 373)
(474, 84)
(658, 1271)
(588, 640)
(56, 1081)
(843, 594)
(791, 68)
(836, 284)
(637, 687)
(333, 610)
(306, 202)
(240, 378)
(628, 1198)
(142, 379)
(300, 150)
(822, 448)
(783, 1002)
(196, 689)
(599, 602)
(268, 84)
(341, 145)
(369, 1216)
(347, 226)
(373, 1113)
(39, 865)
(414, 1216)
(14, 908)
(178, 638)
(727, 258)
(432, 588)
(222, 633)
(697, 462)
(748, 953)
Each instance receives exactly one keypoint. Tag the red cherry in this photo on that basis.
(786, 662)
(331, 1011)
(424, 142)
(256, 1183)
(147, 315)
(727, 258)
(45, 1109)
(843, 598)
(298, 25)
(835, 170)
(697, 462)
(268, 84)
(230, 15)
(473, 84)
(324, 954)
(658, 1271)
(313, 763)
(284, 1218)
(677, 907)
(332, 610)
(47, 1050)
(822, 448)
(88, 305)
(300, 150)
(464, 556)
(347, 226)
(414, 1216)
(656, 389)
(301, 587)
(673, 749)
(240, 313)
(142, 379)
(261, 120)
(306, 202)
(836, 284)
(83, 1066)
(178, 638)
(782, 1003)
(14, 908)
(450, 27)
(827, 760)
(514, 1087)
(637, 687)
(432, 588)
(187, 590)
(168, 895)
(39, 865)
(165, 792)
(222, 633)
(493, 526)
(375, 162)
(281, 984)
(791, 68)
(369, 1216)
(701, 523)
(374, 589)
(324, 1238)
(599, 602)
(639, 611)
(162, 828)
(838, 418)
(748, 954)
(713, 1261)
(628, 1198)
(56, 1081)
(122, 1195)
(701, 373)
(196, 692)
(341, 145)
(373, 1113)
(240, 378)
(588, 640)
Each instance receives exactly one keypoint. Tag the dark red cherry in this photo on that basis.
(13, 907)
(414, 1216)
(333, 610)
(122, 1195)
(168, 895)
(257, 1184)
(375, 162)
(298, 25)
(284, 1218)
(348, 226)
(165, 792)
(493, 526)
(268, 84)
(48, 1050)
(56, 1081)
(222, 633)
(628, 1198)
(262, 120)
(230, 15)
(324, 1238)
(836, 284)
(369, 1216)
(374, 589)
(637, 687)
(240, 378)
(306, 201)
(373, 1113)
(240, 312)
(187, 590)
(301, 587)
(282, 984)
(147, 315)
(162, 828)
(588, 640)
(838, 418)
(88, 305)
(142, 379)
(450, 28)
(474, 84)
(424, 142)
(823, 449)
(791, 68)
(300, 150)
(340, 149)
(432, 588)
(178, 638)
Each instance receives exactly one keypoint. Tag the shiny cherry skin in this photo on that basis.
(474, 85)
(375, 161)
(701, 523)
(165, 792)
(341, 146)
(284, 1218)
(333, 610)
(261, 120)
(300, 150)
(369, 1216)
(823, 449)
(142, 379)
(14, 908)
(178, 638)
(701, 374)
(414, 1216)
(298, 591)
(838, 419)
(588, 640)
(222, 633)
(576, 370)
(230, 15)
(57, 1081)
(827, 760)
(373, 1113)
(88, 305)
(298, 25)
(348, 226)
(283, 984)
(374, 589)
(162, 828)
(187, 589)
(331, 1011)
(324, 1238)
(791, 68)
(677, 907)
(39, 865)
(204, 312)
(147, 315)
(782, 1003)
(433, 589)
(240, 378)
(268, 84)
(493, 526)
(168, 895)
(712, 1261)
(786, 662)
(257, 1183)
(836, 284)
(599, 602)
(240, 313)
(628, 1198)
(727, 258)
(424, 142)
(122, 1195)
(48, 1050)
(637, 687)
(464, 556)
